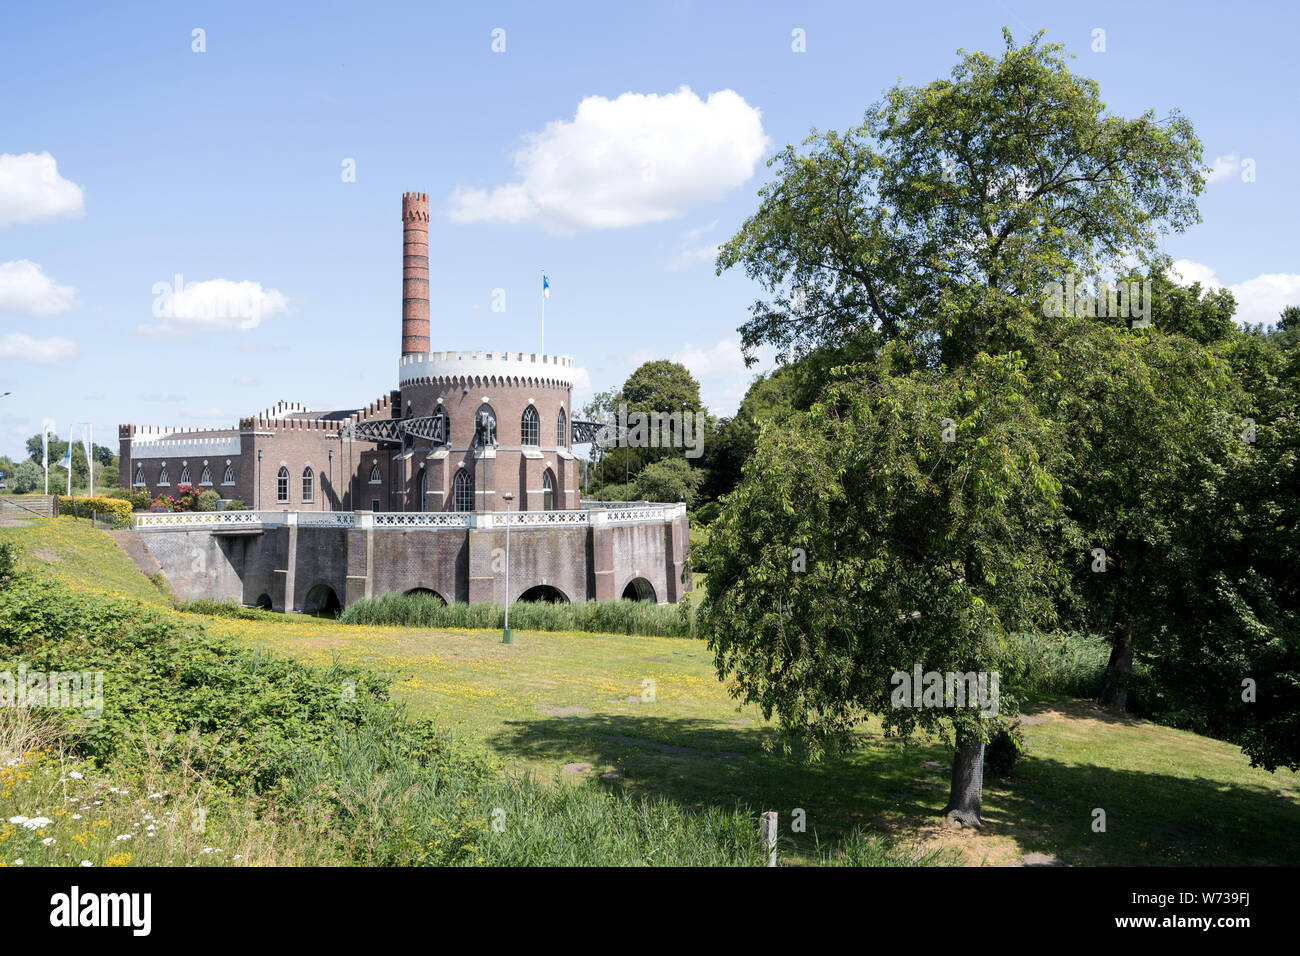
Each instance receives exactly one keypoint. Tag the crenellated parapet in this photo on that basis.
(481, 367)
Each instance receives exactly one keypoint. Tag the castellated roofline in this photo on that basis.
(485, 364)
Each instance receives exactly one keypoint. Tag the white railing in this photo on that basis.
(548, 519)
(408, 519)
(207, 519)
(422, 519)
(327, 519)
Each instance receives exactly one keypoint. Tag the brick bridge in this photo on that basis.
(321, 560)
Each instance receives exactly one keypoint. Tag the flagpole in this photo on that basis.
(543, 311)
(90, 457)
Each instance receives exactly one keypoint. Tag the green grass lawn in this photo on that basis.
(556, 702)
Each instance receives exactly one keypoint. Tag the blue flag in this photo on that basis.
(546, 287)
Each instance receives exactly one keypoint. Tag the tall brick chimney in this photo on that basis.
(415, 273)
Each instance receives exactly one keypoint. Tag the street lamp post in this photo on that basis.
(507, 635)
(259, 479)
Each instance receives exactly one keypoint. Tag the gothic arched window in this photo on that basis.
(308, 484)
(229, 477)
(376, 476)
(163, 478)
(462, 491)
(530, 427)
(282, 484)
(139, 474)
(562, 430)
(548, 491)
(485, 425)
(441, 413)
(205, 477)
(185, 475)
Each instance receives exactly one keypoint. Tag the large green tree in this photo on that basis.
(953, 204)
(899, 525)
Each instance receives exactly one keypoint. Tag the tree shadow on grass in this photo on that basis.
(899, 789)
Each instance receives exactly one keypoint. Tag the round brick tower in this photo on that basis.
(415, 273)
(526, 396)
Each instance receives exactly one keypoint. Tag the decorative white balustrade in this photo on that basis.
(422, 519)
(407, 519)
(207, 519)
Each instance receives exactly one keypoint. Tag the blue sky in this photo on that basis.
(226, 167)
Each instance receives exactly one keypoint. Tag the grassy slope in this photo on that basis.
(1170, 797)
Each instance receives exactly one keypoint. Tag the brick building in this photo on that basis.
(460, 430)
(406, 493)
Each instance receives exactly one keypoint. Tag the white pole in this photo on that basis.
(90, 457)
(543, 314)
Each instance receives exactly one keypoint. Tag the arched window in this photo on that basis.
(485, 425)
(376, 476)
(229, 477)
(548, 491)
(530, 426)
(462, 491)
(185, 475)
(139, 474)
(205, 477)
(282, 484)
(163, 478)
(421, 489)
(562, 430)
(308, 484)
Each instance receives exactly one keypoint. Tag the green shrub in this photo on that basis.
(235, 504)
(207, 500)
(119, 509)
(705, 513)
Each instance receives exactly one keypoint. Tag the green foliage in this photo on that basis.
(206, 500)
(934, 222)
(235, 504)
(861, 543)
(119, 509)
(669, 480)
(28, 478)
(8, 562)
(228, 609)
(599, 617)
(185, 499)
(323, 754)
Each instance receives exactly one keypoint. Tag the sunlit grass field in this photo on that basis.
(648, 714)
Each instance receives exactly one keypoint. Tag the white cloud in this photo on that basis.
(1259, 300)
(690, 257)
(721, 372)
(633, 160)
(213, 305)
(51, 351)
(31, 189)
(27, 290)
(1222, 168)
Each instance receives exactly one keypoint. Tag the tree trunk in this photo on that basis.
(963, 809)
(1114, 689)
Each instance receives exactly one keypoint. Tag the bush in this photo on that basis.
(82, 507)
(670, 480)
(706, 512)
(235, 504)
(207, 501)
(185, 499)
(29, 478)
